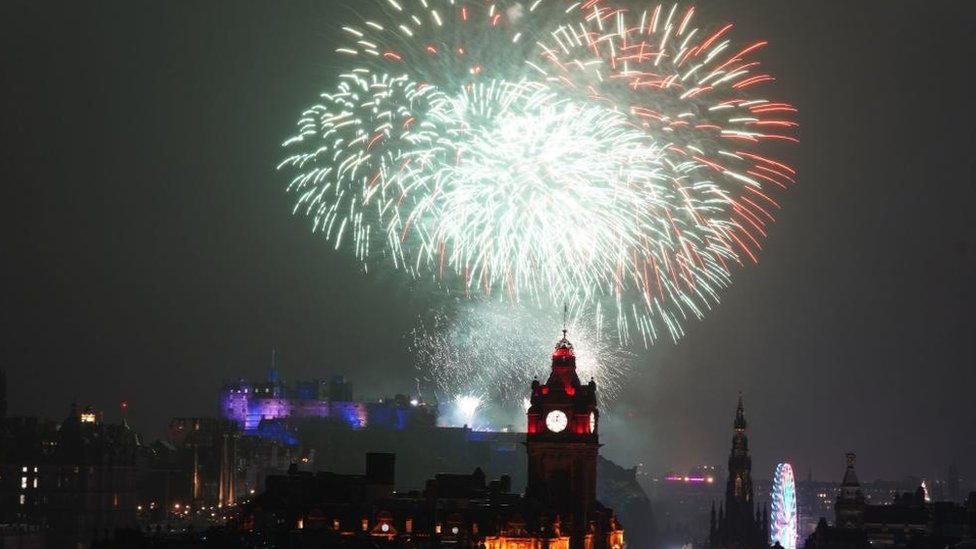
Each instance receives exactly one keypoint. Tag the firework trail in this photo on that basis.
(495, 350)
(547, 152)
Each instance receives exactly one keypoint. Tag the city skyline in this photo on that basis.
(150, 254)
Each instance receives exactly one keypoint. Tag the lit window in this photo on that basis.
(25, 469)
(35, 482)
(22, 499)
(23, 482)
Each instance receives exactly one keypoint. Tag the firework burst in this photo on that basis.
(494, 350)
(547, 152)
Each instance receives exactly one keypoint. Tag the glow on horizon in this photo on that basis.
(691, 479)
(467, 406)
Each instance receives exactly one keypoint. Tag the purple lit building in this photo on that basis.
(249, 403)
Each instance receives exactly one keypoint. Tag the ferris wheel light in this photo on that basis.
(783, 519)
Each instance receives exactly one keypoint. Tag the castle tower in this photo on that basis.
(562, 444)
(849, 508)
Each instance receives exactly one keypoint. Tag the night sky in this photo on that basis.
(149, 254)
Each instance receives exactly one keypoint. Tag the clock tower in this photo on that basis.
(562, 444)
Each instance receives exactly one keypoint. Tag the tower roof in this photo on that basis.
(564, 366)
(564, 349)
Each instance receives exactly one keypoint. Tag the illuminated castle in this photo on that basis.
(259, 407)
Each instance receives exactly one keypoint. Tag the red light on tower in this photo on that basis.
(562, 353)
(124, 405)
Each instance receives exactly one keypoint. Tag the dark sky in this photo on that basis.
(148, 251)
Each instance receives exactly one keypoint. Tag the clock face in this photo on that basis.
(556, 421)
(592, 422)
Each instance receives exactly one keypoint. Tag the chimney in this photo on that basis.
(380, 475)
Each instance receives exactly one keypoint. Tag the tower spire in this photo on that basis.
(742, 524)
(740, 417)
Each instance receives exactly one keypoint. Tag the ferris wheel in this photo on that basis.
(783, 519)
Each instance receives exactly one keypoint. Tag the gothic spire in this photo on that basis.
(740, 418)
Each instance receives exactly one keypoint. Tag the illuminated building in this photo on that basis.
(256, 405)
(558, 511)
(210, 449)
(562, 441)
(459, 510)
(906, 520)
(88, 415)
(68, 479)
(740, 522)
(698, 475)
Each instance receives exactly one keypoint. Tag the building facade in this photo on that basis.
(74, 481)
